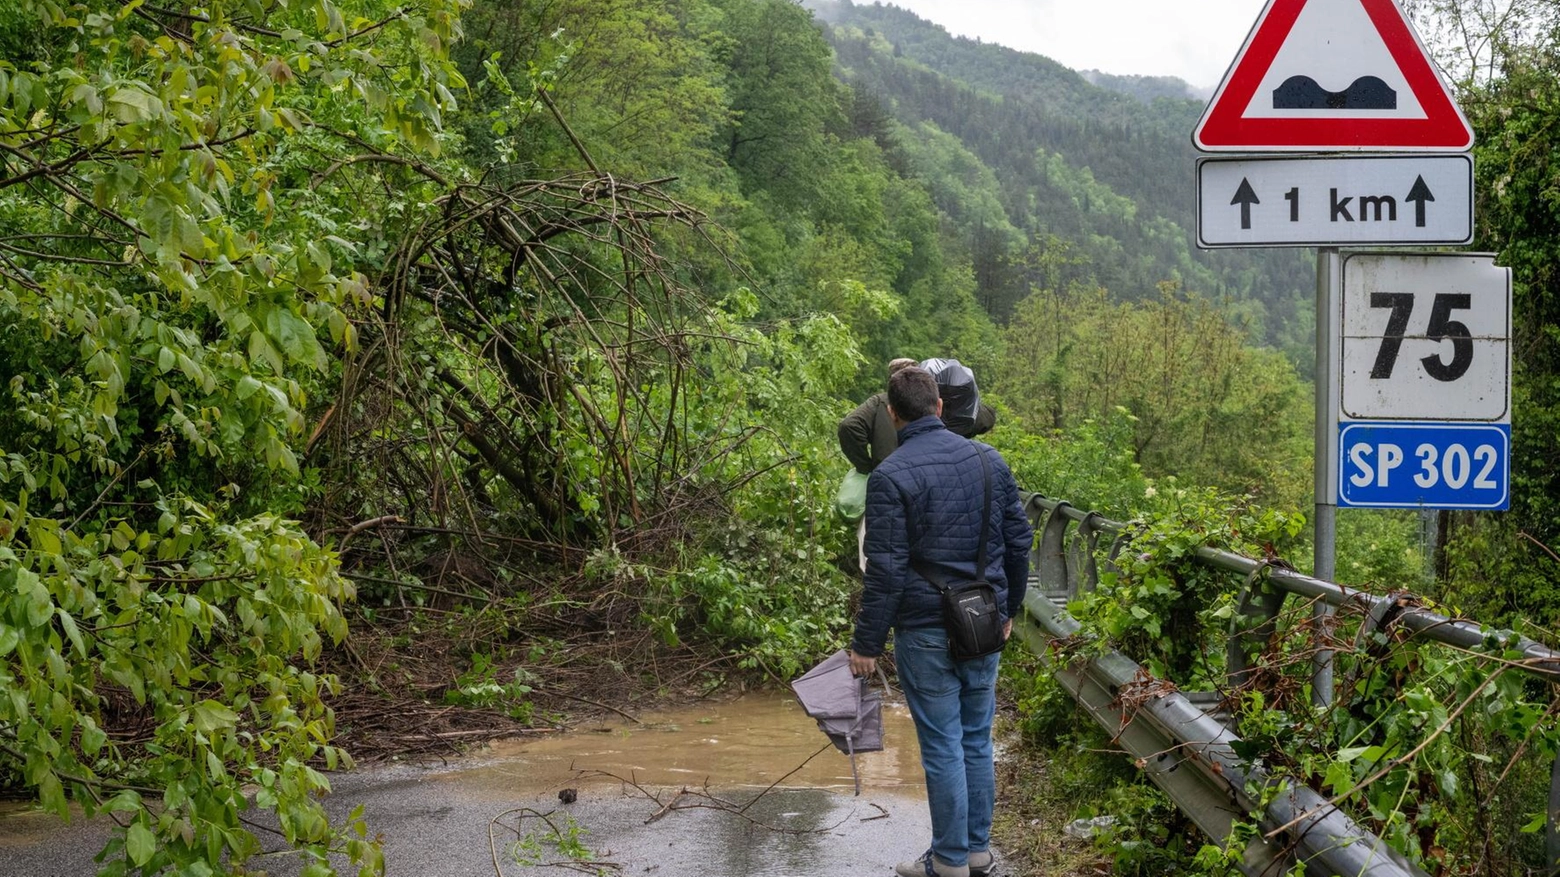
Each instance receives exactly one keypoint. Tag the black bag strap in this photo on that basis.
(938, 579)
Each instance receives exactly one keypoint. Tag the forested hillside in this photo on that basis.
(1095, 184)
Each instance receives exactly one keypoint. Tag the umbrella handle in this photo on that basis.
(850, 750)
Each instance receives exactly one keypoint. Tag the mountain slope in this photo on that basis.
(1097, 181)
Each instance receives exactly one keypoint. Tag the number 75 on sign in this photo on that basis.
(1426, 337)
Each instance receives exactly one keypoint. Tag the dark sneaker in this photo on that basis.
(982, 863)
(931, 866)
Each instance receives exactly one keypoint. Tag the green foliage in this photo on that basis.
(635, 81)
(1380, 550)
(782, 98)
(566, 840)
(765, 581)
(1150, 837)
(1093, 465)
(1503, 566)
(961, 185)
(1158, 605)
(1205, 405)
(479, 687)
(181, 262)
(1495, 571)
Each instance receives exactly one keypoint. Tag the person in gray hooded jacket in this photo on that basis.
(963, 412)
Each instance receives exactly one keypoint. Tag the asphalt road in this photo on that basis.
(497, 814)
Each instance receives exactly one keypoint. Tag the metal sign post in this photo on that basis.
(1324, 550)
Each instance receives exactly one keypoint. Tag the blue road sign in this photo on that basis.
(1425, 465)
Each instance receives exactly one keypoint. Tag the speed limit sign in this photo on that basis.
(1425, 401)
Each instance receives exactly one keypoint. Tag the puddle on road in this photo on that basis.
(463, 819)
(749, 742)
(23, 824)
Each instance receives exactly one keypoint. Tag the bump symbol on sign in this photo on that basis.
(1304, 93)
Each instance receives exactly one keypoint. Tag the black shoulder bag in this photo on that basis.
(969, 608)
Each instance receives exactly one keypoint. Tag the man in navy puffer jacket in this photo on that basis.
(924, 503)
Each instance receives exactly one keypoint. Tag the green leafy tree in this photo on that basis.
(191, 203)
(1205, 404)
(1504, 566)
(782, 97)
(639, 84)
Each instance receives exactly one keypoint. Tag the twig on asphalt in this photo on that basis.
(786, 777)
(687, 799)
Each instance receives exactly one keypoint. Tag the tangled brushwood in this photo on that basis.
(549, 433)
(528, 373)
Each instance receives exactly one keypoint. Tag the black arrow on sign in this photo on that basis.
(1245, 196)
(1419, 195)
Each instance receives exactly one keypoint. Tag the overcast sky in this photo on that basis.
(1193, 39)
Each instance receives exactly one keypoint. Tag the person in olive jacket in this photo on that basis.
(867, 435)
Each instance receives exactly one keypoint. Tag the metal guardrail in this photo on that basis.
(1188, 753)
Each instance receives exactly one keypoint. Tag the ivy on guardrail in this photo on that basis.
(1440, 750)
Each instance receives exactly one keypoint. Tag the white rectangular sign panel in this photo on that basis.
(1383, 200)
(1426, 337)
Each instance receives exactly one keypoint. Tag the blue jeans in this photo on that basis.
(953, 704)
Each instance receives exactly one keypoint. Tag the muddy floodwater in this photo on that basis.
(680, 793)
(750, 742)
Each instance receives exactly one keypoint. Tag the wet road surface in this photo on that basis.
(498, 814)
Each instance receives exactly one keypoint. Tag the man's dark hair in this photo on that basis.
(912, 393)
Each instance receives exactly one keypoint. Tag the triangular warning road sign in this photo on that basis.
(1332, 75)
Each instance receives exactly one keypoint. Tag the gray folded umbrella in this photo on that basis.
(847, 708)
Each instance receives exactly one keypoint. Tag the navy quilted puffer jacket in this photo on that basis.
(924, 502)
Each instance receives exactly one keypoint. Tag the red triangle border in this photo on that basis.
(1223, 127)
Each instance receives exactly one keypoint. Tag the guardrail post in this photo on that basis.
(1123, 538)
(1052, 562)
(1252, 626)
(1082, 571)
(1035, 508)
